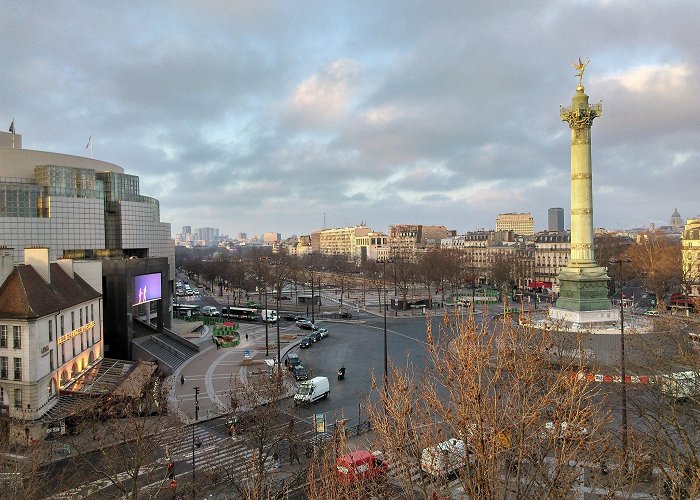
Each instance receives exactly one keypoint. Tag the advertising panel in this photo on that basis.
(146, 288)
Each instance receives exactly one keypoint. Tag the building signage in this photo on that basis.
(45, 350)
(75, 333)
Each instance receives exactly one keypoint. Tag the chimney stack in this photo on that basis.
(38, 258)
(7, 263)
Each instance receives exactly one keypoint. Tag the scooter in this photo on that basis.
(341, 373)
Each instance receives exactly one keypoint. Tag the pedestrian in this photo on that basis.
(246, 337)
(294, 454)
(182, 380)
(276, 459)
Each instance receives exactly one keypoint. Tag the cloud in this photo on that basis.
(324, 97)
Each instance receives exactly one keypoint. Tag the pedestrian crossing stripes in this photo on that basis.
(213, 453)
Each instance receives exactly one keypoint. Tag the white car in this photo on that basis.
(196, 291)
(323, 332)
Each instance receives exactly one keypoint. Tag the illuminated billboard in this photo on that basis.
(146, 288)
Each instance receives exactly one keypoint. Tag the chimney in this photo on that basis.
(38, 258)
(7, 263)
(67, 266)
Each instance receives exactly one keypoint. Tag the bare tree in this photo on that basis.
(525, 424)
(656, 261)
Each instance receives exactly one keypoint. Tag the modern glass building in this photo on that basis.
(77, 207)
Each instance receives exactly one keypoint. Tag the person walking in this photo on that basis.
(182, 380)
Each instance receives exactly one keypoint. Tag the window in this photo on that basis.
(17, 337)
(81, 316)
(72, 321)
(92, 312)
(18, 368)
(2, 395)
(63, 353)
(62, 329)
(72, 342)
(92, 331)
(4, 367)
(3, 335)
(51, 359)
(18, 398)
(50, 330)
(82, 342)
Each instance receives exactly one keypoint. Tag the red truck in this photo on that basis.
(360, 465)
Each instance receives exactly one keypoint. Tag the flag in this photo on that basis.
(12, 126)
(89, 142)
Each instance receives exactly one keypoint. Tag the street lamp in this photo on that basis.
(386, 354)
(197, 443)
(279, 357)
(623, 372)
(267, 343)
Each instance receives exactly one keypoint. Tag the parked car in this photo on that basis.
(293, 360)
(651, 312)
(345, 315)
(303, 321)
(300, 373)
(305, 342)
(360, 465)
(308, 326)
(315, 337)
(196, 291)
(323, 332)
(291, 317)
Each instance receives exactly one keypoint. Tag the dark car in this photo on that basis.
(291, 317)
(293, 360)
(307, 326)
(315, 336)
(345, 315)
(305, 342)
(300, 373)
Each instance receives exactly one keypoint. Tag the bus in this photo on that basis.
(181, 310)
(240, 313)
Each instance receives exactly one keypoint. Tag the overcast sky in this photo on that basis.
(264, 116)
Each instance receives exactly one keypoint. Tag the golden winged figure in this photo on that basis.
(580, 67)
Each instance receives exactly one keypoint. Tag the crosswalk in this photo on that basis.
(234, 458)
(215, 452)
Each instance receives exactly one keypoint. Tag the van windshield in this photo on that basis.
(304, 390)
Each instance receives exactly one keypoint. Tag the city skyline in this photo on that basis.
(268, 117)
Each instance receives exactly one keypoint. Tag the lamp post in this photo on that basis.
(623, 372)
(312, 297)
(279, 357)
(386, 354)
(267, 343)
(197, 443)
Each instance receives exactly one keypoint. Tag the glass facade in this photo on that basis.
(81, 213)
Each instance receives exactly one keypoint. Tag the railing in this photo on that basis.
(169, 348)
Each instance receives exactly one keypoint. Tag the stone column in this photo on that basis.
(583, 284)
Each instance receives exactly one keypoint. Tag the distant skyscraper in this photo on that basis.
(556, 220)
(242, 236)
(270, 237)
(186, 229)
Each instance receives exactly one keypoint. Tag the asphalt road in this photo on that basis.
(360, 348)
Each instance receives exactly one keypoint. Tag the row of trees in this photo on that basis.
(655, 265)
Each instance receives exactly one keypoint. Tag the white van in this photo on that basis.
(680, 385)
(268, 315)
(210, 311)
(444, 459)
(312, 390)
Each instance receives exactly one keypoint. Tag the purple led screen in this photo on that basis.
(146, 288)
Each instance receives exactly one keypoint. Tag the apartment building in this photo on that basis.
(690, 248)
(413, 240)
(340, 241)
(552, 251)
(521, 223)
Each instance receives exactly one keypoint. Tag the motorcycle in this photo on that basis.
(341, 373)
